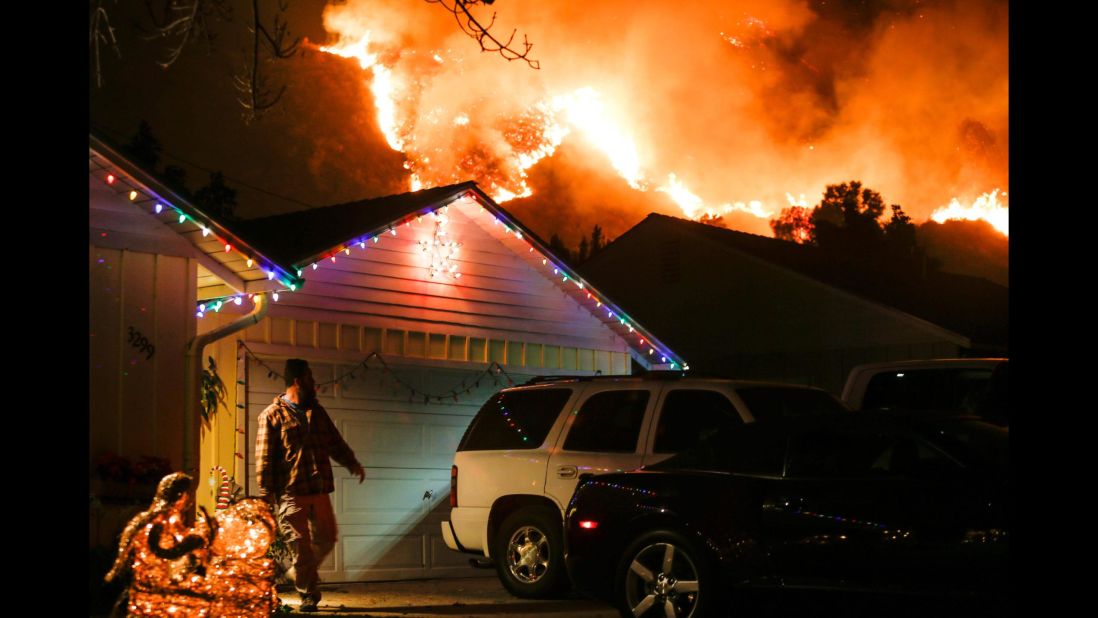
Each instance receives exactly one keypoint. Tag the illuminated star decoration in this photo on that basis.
(441, 249)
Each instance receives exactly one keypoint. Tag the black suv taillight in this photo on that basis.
(453, 486)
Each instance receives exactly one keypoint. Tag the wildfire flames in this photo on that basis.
(988, 207)
(449, 133)
(531, 137)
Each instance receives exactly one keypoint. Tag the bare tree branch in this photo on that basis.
(482, 34)
(184, 21)
(277, 43)
(253, 85)
(101, 32)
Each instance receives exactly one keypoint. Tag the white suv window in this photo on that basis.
(608, 422)
(514, 420)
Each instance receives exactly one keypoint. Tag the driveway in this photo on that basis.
(474, 597)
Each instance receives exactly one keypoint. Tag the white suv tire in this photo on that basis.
(529, 553)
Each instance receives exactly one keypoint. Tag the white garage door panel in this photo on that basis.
(387, 500)
(387, 529)
(383, 444)
(442, 442)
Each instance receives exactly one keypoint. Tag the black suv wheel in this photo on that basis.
(663, 574)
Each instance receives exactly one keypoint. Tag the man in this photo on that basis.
(295, 439)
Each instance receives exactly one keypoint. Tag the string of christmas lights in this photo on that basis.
(566, 274)
(373, 237)
(444, 251)
(217, 303)
(493, 371)
(159, 206)
(442, 254)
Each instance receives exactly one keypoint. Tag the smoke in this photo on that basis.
(740, 100)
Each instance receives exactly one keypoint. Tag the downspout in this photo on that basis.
(193, 377)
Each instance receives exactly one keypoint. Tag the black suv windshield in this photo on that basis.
(754, 449)
(772, 402)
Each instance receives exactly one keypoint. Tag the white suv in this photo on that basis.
(524, 451)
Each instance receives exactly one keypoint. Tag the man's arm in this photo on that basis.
(338, 449)
(267, 445)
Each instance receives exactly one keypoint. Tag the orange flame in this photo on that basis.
(534, 137)
(586, 112)
(987, 207)
(383, 86)
(694, 208)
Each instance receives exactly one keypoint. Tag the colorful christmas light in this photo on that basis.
(443, 252)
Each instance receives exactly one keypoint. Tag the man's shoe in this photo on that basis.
(309, 603)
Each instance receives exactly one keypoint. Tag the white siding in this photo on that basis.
(136, 393)
(500, 294)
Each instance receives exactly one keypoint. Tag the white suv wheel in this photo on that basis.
(530, 553)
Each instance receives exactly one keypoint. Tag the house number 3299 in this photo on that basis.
(139, 341)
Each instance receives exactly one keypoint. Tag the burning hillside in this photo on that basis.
(713, 108)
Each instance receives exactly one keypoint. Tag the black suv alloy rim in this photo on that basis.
(662, 581)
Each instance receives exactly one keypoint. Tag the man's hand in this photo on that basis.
(358, 470)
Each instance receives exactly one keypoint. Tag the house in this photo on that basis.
(412, 310)
(748, 306)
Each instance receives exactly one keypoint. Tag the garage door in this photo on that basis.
(389, 525)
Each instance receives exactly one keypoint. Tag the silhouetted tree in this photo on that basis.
(583, 251)
(846, 219)
(143, 148)
(216, 198)
(847, 222)
(899, 233)
(558, 248)
(793, 224)
(597, 241)
(714, 220)
(175, 178)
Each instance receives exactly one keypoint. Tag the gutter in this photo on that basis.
(192, 378)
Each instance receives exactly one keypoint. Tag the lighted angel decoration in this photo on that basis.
(219, 567)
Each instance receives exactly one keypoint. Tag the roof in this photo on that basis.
(970, 306)
(227, 259)
(304, 236)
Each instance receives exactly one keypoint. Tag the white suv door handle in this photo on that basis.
(566, 472)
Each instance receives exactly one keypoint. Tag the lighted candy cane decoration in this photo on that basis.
(225, 491)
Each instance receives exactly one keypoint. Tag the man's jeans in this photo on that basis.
(313, 521)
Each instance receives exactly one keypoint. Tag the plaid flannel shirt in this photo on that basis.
(292, 450)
